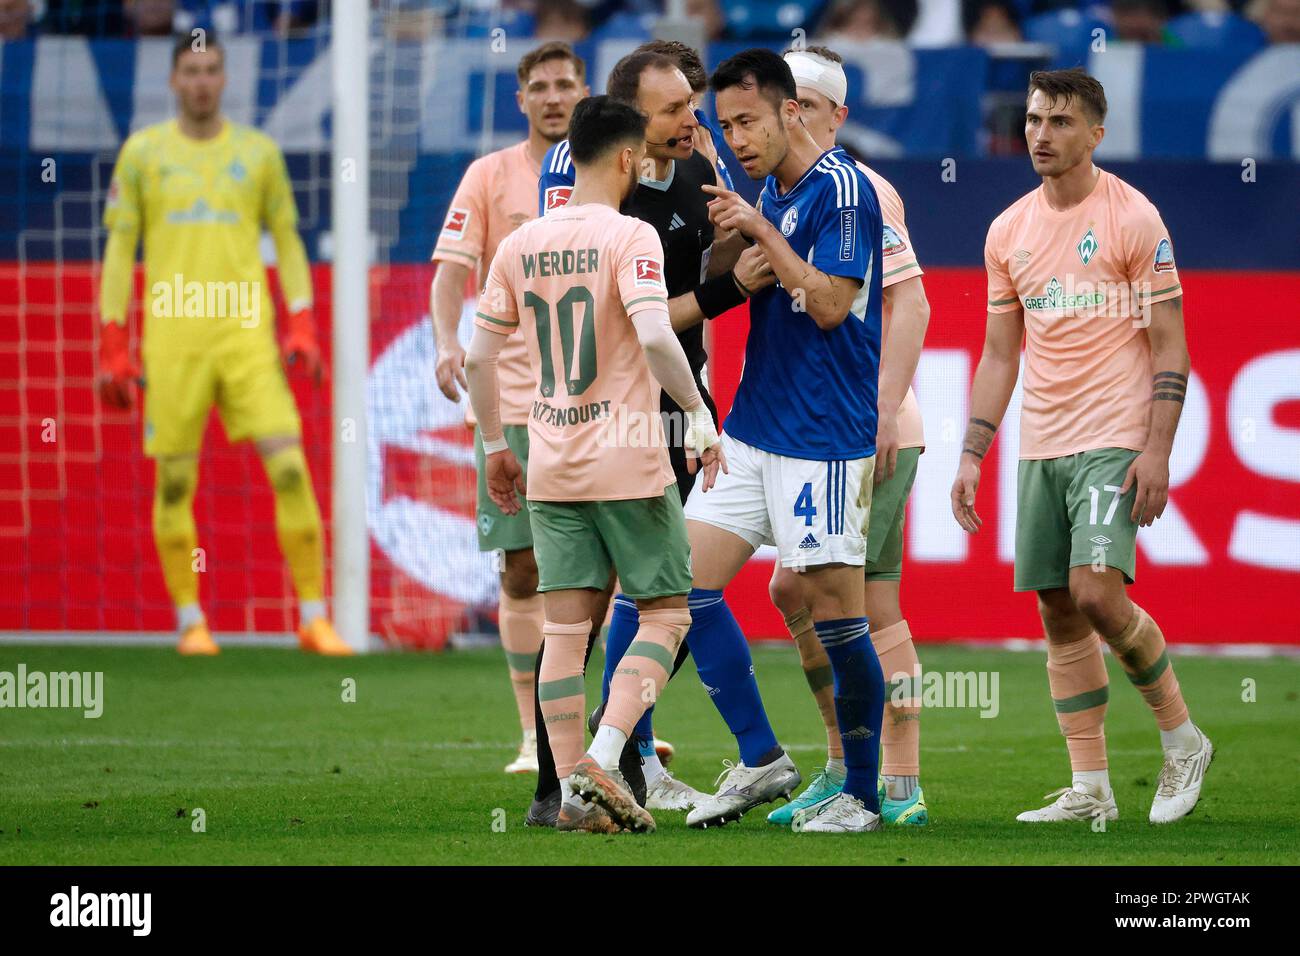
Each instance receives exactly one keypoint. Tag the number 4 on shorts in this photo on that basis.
(804, 507)
(1094, 495)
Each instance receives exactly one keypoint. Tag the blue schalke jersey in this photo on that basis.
(805, 392)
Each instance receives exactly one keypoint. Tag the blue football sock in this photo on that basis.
(623, 626)
(859, 702)
(727, 672)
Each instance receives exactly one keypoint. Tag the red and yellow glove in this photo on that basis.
(119, 377)
(300, 347)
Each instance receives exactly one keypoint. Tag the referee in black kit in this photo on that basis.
(702, 272)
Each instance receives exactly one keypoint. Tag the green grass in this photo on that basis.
(286, 772)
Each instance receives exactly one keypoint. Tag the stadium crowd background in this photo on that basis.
(1241, 24)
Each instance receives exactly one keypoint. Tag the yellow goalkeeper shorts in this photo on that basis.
(247, 386)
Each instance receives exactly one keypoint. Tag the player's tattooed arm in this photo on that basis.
(979, 436)
(1169, 357)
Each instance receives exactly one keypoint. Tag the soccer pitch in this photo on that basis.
(284, 770)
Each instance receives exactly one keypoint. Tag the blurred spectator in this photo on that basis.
(938, 23)
(1140, 21)
(103, 18)
(1280, 20)
(562, 20)
(149, 18)
(856, 21)
(15, 15)
(708, 13)
(990, 22)
(295, 15)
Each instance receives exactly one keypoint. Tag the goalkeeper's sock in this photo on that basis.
(174, 532)
(859, 703)
(521, 621)
(817, 671)
(727, 671)
(187, 616)
(297, 521)
(901, 734)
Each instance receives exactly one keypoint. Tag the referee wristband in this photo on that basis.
(717, 295)
(496, 445)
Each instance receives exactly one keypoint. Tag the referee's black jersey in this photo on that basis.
(679, 211)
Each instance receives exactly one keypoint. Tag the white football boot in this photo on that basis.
(1179, 785)
(742, 788)
(1080, 803)
(526, 760)
(669, 793)
(841, 814)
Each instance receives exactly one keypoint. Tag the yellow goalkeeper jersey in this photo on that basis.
(201, 206)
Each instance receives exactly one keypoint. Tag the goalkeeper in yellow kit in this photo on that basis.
(200, 189)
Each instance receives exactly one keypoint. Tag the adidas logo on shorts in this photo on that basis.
(809, 542)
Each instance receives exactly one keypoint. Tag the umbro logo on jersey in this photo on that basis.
(676, 222)
(809, 542)
(1022, 254)
(1100, 540)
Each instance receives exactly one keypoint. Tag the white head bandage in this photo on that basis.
(818, 73)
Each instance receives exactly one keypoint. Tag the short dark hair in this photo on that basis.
(625, 79)
(687, 60)
(186, 43)
(554, 50)
(757, 68)
(825, 52)
(1074, 82)
(600, 123)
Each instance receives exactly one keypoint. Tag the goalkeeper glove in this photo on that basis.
(300, 345)
(118, 376)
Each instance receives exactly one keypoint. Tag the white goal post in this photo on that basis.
(350, 192)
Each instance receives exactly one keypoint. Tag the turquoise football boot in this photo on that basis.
(909, 812)
(822, 788)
